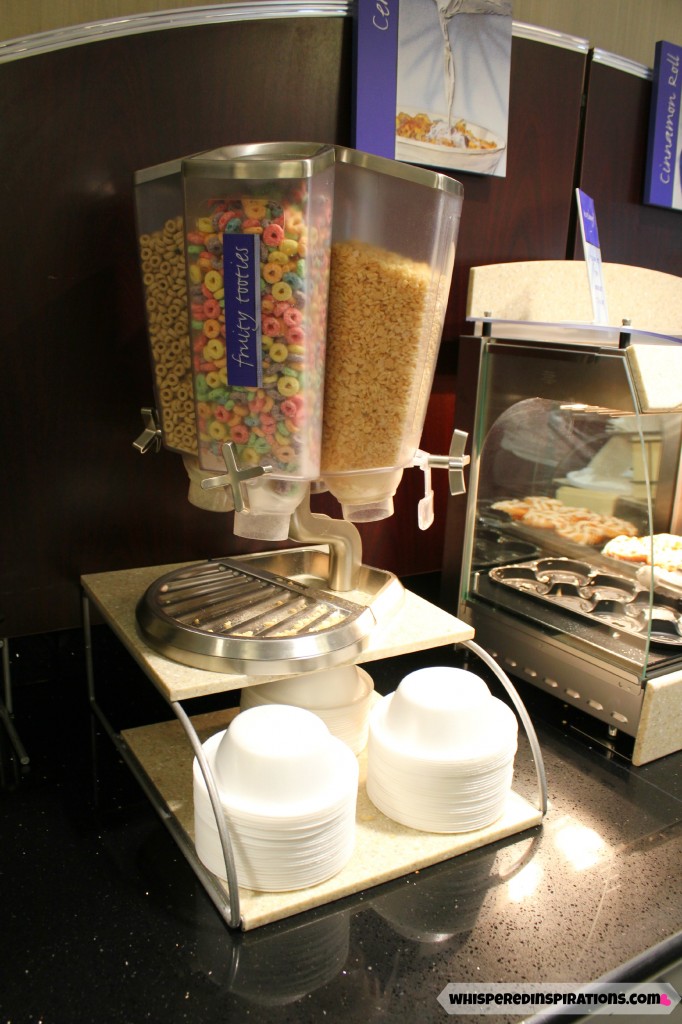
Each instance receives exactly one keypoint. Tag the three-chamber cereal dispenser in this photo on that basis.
(296, 295)
(314, 291)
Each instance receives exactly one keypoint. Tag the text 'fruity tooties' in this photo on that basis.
(242, 309)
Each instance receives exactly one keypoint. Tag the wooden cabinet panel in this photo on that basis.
(525, 215)
(75, 125)
(612, 172)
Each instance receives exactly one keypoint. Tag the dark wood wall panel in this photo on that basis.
(612, 172)
(525, 215)
(74, 126)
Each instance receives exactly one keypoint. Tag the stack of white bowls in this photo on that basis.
(340, 696)
(288, 790)
(440, 754)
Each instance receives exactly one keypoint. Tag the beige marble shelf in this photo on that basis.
(660, 726)
(417, 625)
(384, 850)
(556, 291)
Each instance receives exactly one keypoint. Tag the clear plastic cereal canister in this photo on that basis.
(158, 206)
(161, 237)
(258, 242)
(393, 249)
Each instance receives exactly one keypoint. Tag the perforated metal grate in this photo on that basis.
(219, 615)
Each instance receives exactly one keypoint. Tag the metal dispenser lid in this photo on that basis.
(261, 161)
(223, 617)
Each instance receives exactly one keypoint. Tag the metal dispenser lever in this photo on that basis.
(150, 438)
(454, 462)
(235, 477)
(457, 460)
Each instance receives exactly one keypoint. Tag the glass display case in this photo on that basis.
(572, 561)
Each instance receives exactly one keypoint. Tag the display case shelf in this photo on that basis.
(575, 466)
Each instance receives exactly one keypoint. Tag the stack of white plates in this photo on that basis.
(288, 790)
(339, 696)
(441, 752)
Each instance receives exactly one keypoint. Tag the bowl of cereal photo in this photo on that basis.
(427, 138)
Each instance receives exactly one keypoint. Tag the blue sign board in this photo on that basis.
(590, 236)
(663, 173)
(241, 266)
(376, 68)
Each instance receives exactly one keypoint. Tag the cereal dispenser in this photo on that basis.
(162, 260)
(393, 246)
(258, 234)
(315, 290)
(160, 223)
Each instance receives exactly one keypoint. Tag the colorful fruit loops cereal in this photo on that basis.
(279, 422)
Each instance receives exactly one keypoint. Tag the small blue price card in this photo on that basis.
(592, 251)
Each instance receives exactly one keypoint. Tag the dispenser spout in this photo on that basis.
(345, 545)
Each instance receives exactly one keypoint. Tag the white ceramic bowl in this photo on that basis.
(341, 697)
(441, 751)
(273, 755)
(330, 688)
(302, 831)
(437, 710)
(434, 154)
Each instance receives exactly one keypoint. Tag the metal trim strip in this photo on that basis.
(189, 17)
(613, 60)
(538, 34)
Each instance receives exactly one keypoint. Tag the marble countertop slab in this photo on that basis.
(416, 625)
(384, 849)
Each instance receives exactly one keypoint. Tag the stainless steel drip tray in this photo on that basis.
(265, 615)
(603, 597)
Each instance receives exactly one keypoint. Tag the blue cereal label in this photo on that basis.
(241, 266)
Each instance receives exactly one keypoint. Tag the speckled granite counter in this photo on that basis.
(105, 921)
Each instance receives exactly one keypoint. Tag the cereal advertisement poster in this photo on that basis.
(663, 174)
(432, 82)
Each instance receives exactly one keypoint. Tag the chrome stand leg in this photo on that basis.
(525, 719)
(215, 890)
(232, 884)
(90, 675)
(6, 708)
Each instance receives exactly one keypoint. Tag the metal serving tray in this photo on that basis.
(246, 615)
(494, 548)
(603, 597)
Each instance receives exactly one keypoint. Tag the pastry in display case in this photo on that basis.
(572, 561)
